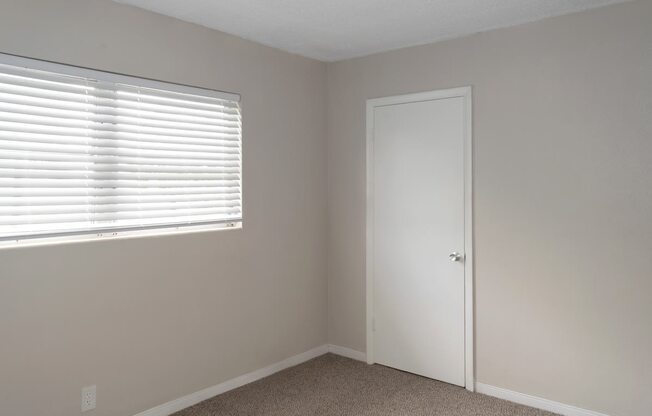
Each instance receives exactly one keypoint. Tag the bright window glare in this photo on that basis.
(82, 154)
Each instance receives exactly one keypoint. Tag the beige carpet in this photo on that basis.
(333, 385)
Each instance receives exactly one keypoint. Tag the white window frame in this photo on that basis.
(113, 77)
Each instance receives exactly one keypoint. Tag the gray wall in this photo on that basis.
(563, 199)
(152, 319)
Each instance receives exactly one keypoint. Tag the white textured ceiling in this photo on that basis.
(331, 30)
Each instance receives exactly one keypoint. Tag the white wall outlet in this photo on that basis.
(88, 398)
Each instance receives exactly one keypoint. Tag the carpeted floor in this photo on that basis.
(332, 385)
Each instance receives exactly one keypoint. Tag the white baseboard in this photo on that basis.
(347, 352)
(181, 403)
(533, 401)
(170, 407)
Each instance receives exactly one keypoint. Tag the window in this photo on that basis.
(89, 152)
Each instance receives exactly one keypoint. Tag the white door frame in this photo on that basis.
(466, 93)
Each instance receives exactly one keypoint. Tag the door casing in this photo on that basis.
(466, 94)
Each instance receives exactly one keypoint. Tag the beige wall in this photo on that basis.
(563, 141)
(152, 319)
(563, 199)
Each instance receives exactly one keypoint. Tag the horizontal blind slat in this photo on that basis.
(111, 183)
(111, 148)
(118, 140)
(113, 174)
(170, 192)
(220, 140)
(98, 112)
(55, 100)
(31, 114)
(72, 93)
(35, 201)
(98, 129)
(112, 167)
(74, 96)
(112, 216)
(145, 207)
(172, 99)
(19, 82)
(52, 155)
(42, 77)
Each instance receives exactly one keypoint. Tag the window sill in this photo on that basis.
(117, 235)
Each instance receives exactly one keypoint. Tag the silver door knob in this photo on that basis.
(455, 256)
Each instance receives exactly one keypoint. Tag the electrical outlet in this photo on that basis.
(88, 398)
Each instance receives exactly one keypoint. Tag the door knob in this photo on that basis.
(455, 256)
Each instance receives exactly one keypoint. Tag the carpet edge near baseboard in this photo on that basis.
(534, 401)
(191, 399)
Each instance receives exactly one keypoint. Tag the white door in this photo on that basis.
(418, 225)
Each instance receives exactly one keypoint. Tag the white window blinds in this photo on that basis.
(83, 151)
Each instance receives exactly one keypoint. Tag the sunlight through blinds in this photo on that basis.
(85, 155)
